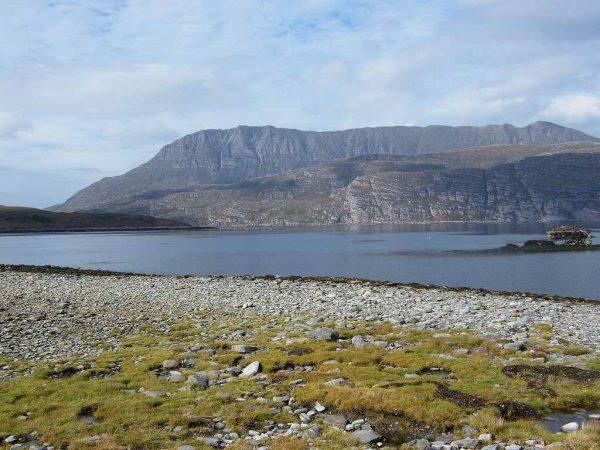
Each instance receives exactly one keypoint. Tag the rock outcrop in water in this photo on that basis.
(570, 236)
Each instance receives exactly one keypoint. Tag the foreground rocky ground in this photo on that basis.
(114, 361)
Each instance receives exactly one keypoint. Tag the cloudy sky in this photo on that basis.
(92, 88)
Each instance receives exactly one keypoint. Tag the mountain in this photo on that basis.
(224, 157)
(14, 218)
(499, 183)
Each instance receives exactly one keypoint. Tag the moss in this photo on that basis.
(575, 350)
(59, 393)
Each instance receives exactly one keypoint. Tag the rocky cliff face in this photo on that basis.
(544, 188)
(490, 184)
(243, 153)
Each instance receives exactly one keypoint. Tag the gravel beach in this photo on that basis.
(45, 316)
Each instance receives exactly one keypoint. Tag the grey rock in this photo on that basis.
(199, 380)
(175, 377)
(251, 369)
(359, 341)
(336, 421)
(366, 436)
(569, 427)
(170, 364)
(243, 348)
(419, 444)
(311, 433)
(153, 394)
(466, 443)
(321, 334)
(210, 442)
(486, 437)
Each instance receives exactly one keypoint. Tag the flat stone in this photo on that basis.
(486, 437)
(153, 394)
(419, 444)
(175, 377)
(199, 380)
(358, 341)
(366, 436)
(243, 348)
(335, 382)
(321, 334)
(210, 442)
(170, 364)
(336, 421)
(319, 407)
(466, 443)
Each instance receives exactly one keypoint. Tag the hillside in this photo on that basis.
(13, 218)
(243, 153)
(503, 183)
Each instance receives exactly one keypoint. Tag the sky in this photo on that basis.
(93, 88)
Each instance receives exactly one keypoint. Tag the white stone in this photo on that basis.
(251, 369)
(569, 427)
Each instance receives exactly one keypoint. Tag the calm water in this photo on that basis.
(411, 253)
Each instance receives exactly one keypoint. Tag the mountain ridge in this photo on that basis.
(344, 191)
(246, 152)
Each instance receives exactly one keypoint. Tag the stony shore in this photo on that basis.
(40, 311)
(98, 360)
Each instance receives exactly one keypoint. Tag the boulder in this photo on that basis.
(321, 334)
(336, 421)
(366, 436)
(243, 348)
(170, 364)
(466, 443)
(251, 369)
(569, 427)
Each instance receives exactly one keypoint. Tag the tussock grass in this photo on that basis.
(55, 395)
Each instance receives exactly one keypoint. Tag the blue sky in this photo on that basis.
(93, 88)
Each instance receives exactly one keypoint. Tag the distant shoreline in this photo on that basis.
(58, 270)
(292, 227)
(97, 230)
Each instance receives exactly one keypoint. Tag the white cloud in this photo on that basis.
(11, 125)
(574, 108)
(108, 82)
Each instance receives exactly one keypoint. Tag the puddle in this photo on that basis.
(553, 422)
(87, 420)
(438, 372)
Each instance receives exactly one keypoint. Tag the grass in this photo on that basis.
(53, 396)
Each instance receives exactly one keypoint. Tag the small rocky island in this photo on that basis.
(561, 239)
